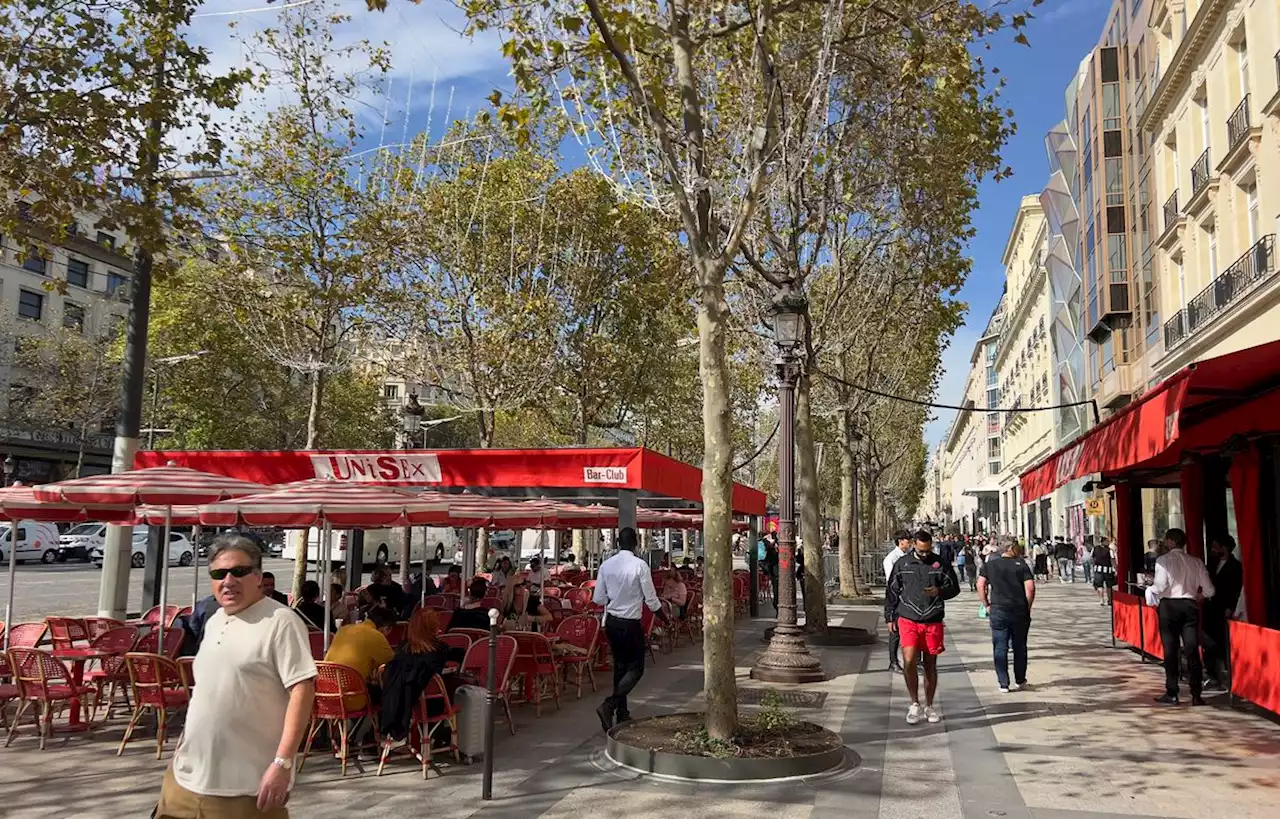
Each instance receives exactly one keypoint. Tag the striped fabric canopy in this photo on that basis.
(343, 505)
(159, 485)
(20, 503)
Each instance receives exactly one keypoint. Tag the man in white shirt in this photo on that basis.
(902, 545)
(251, 709)
(624, 586)
(1181, 582)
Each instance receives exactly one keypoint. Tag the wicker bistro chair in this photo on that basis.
(152, 617)
(473, 633)
(67, 632)
(337, 686)
(158, 686)
(8, 689)
(453, 639)
(582, 632)
(149, 643)
(42, 682)
(477, 664)
(536, 662)
(97, 626)
(27, 635)
(111, 671)
(423, 724)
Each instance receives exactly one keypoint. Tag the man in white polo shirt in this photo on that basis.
(250, 710)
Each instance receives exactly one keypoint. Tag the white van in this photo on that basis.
(35, 541)
(380, 545)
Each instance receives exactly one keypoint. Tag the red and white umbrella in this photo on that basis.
(19, 502)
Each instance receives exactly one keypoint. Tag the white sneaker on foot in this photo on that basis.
(1004, 689)
(913, 714)
(931, 714)
(1014, 686)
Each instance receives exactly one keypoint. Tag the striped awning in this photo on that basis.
(159, 485)
(344, 505)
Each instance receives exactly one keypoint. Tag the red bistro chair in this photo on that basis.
(27, 635)
(443, 618)
(557, 608)
(44, 682)
(425, 724)
(647, 619)
(473, 633)
(537, 664)
(692, 622)
(336, 686)
(491, 603)
(317, 644)
(550, 591)
(581, 631)
(396, 634)
(456, 640)
(111, 671)
(477, 664)
(579, 599)
(434, 601)
(149, 643)
(152, 617)
(67, 632)
(97, 626)
(158, 686)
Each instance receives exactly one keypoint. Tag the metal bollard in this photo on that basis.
(491, 699)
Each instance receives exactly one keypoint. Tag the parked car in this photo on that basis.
(30, 540)
(77, 542)
(181, 552)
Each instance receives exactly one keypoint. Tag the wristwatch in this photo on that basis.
(286, 764)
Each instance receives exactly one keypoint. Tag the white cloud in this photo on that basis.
(955, 370)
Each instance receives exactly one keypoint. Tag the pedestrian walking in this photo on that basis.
(1008, 590)
(901, 545)
(1181, 582)
(970, 567)
(770, 564)
(915, 596)
(1228, 580)
(1042, 560)
(1065, 552)
(1086, 561)
(1104, 572)
(253, 704)
(624, 586)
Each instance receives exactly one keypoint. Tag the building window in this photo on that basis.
(1116, 260)
(34, 262)
(114, 282)
(30, 305)
(1213, 253)
(106, 240)
(1251, 199)
(391, 391)
(1115, 181)
(78, 272)
(73, 316)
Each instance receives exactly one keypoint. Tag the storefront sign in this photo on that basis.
(415, 468)
(61, 438)
(1094, 507)
(604, 474)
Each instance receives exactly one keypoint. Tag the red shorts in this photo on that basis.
(925, 636)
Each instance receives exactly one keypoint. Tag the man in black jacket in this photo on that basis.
(1228, 580)
(914, 606)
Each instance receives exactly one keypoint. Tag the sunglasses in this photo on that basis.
(234, 571)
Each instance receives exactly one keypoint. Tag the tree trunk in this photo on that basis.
(873, 522)
(313, 436)
(482, 550)
(861, 580)
(719, 682)
(815, 592)
(848, 562)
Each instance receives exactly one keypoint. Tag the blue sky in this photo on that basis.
(1037, 78)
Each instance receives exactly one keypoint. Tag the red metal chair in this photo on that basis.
(692, 622)
(550, 591)
(149, 643)
(317, 644)
(473, 633)
(583, 632)
(97, 626)
(647, 619)
(444, 617)
(44, 682)
(477, 664)
(434, 601)
(423, 724)
(456, 640)
(338, 687)
(111, 671)
(8, 689)
(741, 595)
(537, 664)
(557, 608)
(152, 616)
(395, 636)
(27, 635)
(491, 603)
(158, 686)
(186, 611)
(67, 632)
(579, 599)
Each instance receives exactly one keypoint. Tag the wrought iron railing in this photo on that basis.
(1238, 124)
(1171, 210)
(1257, 263)
(1200, 173)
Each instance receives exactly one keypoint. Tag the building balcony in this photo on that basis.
(1272, 108)
(1203, 185)
(1118, 386)
(1256, 265)
(1116, 311)
(1171, 233)
(1243, 138)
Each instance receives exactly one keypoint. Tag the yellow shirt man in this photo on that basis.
(361, 646)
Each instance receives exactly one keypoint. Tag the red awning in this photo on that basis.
(1197, 407)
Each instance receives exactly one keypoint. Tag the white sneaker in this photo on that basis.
(1014, 686)
(913, 714)
(931, 714)
(1004, 689)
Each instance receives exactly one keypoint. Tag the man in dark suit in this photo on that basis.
(1228, 579)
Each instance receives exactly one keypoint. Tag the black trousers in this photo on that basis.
(895, 645)
(1217, 647)
(626, 642)
(1180, 633)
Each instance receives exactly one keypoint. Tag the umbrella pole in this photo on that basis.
(13, 567)
(327, 535)
(164, 577)
(195, 563)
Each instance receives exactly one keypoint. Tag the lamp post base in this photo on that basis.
(787, 660)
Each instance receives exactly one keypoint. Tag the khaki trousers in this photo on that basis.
(176, 802)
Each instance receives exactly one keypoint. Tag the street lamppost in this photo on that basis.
(411, 420)
(787, 659)
(156, 366)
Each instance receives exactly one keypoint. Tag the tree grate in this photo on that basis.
(790, 699)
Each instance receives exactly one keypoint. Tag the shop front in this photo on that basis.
(1201, 451)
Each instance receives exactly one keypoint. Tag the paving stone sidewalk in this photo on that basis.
(1084, 743)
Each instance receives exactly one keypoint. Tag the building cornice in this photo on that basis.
(1183, 65)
